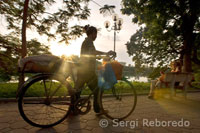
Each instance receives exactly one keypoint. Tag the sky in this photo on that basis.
(105, 39)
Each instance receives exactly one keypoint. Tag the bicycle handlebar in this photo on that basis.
(106, 57)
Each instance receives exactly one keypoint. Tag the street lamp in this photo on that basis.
(116, 27)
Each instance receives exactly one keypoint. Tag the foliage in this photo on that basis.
(8, 90)
(169, 29)
(155, 72)
(107, 9)
(10, 53)
(141, 87)
(196, 73)
(43, 19)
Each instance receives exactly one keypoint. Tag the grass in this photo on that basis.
(8, 90)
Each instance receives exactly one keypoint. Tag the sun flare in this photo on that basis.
(67, 50)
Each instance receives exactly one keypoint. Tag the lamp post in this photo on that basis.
(116, 26)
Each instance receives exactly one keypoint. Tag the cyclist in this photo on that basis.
(87, 73)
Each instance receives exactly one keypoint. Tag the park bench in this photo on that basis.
(170, 82)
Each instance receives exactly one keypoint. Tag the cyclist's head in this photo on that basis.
(91, 31)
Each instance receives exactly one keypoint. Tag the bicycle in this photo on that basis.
(53, 104)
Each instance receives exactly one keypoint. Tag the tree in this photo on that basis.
(10, 49)
(37, 15)
(45, 21)
(107, 9)
(169, 29)
(34, 15)
(24, 25)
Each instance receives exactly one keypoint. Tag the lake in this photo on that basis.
(132, 78)
(139, 79)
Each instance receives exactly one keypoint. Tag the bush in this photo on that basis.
(141, 87)
(8, 90)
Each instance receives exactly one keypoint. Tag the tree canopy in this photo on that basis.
(42, 17)
(169, 29)
(45, 18)
(52, 18)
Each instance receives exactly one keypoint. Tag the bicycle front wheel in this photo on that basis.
(44, 101)
(120, 101)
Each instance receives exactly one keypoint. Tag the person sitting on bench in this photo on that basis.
(175, 67)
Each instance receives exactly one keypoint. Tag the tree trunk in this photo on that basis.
(188, 37)
(187, 65)
(24, 47)
(25, 14)
(188, 43)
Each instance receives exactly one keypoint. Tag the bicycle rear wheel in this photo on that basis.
(120, 101)
(44, 101)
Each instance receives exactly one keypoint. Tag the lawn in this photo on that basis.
(8, 90)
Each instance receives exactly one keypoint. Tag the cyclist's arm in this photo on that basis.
(104, 53)
(100, 53)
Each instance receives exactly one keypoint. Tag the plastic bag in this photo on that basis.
(117, 68)
(106, 77)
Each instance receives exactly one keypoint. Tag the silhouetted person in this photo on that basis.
(86, 73)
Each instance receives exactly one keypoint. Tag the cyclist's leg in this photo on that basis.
(93, 85)
(78, 84)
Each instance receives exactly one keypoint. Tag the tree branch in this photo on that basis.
(173, 50)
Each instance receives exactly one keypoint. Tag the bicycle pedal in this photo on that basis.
(83, 106)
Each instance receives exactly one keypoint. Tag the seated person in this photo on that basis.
(175, 67)
(160, 79)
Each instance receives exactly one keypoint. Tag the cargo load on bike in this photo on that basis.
(39, 64)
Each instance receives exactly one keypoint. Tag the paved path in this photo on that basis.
(168, 113)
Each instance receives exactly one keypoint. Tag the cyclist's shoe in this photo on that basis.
(73, 91)
(74, 113)
(101, 112)
(151, 97)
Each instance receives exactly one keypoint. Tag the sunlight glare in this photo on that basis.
(62, 49)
